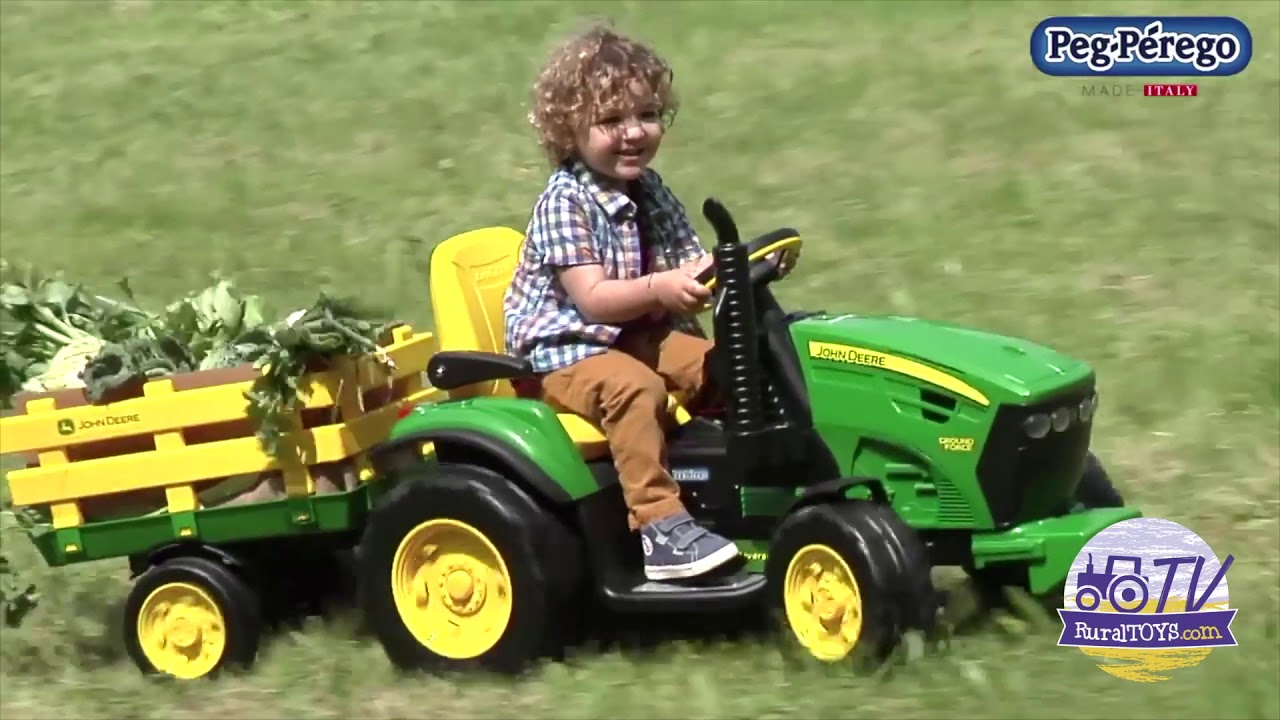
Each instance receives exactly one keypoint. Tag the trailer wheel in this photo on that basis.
(460, 569)
(848, 579)
(191, 617)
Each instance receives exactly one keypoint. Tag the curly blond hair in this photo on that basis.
(589, 74)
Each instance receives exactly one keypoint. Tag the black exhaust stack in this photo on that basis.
(735, 324)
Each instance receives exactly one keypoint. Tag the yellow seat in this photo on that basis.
(469, 275)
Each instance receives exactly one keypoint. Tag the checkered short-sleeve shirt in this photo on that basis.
(576, 221)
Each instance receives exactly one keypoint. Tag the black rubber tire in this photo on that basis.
(1095, 490)
(889, 563)
(239, 604)
(543, 559)
(918, 601)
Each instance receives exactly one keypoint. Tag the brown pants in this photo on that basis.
(625, 390)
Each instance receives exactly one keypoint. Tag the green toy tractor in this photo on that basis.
(852, 455)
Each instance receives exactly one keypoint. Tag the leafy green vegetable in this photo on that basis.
(331, 328)
(134, 360)
(39, 316)
(209, 323)
(215, 327)
(198, 332)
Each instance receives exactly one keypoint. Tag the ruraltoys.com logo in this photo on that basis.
(1141, 46)
(1147, 596)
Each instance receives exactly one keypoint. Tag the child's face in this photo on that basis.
(625, 137)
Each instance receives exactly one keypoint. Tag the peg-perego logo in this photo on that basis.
(1141, 46)
(67, 426)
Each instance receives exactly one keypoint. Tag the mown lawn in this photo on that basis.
(933, 170)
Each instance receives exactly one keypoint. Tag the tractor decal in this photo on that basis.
(848, 354)
(956, 444)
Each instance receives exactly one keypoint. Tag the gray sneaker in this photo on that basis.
(677, 547)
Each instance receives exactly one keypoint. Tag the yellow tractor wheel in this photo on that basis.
(190, 618)
(848, 580)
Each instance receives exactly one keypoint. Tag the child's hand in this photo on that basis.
(678, 291)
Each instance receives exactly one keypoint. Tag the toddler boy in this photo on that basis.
(603, 299)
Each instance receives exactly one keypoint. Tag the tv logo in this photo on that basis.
(1150, 596)
(1136, 46)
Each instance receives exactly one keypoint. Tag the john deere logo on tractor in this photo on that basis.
(1147, 597)
(856, 356)
(1133, 46)
(847, 354)
(66, 426)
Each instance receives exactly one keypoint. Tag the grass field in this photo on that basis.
(933, 170)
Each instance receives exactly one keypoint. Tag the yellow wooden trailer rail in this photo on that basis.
(162, 419)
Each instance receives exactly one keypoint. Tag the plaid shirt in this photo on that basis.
(577, 221)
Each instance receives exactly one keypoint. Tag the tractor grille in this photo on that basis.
(952, 508)
(1024, 478)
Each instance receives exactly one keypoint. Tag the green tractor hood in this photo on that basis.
(985, 367)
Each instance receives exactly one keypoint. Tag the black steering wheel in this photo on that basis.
(767, 255)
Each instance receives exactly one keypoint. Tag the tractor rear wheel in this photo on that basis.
(461, 569)
(849, 579)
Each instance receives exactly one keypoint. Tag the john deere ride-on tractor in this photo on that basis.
(852, 454)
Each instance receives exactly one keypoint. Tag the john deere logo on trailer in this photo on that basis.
(67, 426)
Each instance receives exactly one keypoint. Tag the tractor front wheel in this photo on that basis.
(1095, 490)
(848, 580)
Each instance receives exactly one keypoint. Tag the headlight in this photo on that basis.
(1088, 406)
(1039, 425)
(1061, 418)
(1036, 426)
